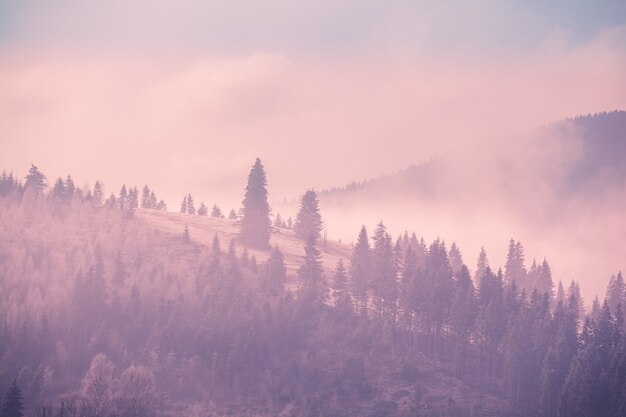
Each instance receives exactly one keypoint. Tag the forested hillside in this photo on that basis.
(111, 309)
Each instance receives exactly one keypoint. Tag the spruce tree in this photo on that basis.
(340, 277)
(98, 194)
(615, 291)
(456, 261)
(35, 180)
(133, 198)
(311, 273)
(308, 219)
(145, 197)
(58, 189)
(255, 222)
(183, 205)
(123, 198)
(275, 270)
(481, 265)
(384, 273)
(161, 206)
(13, 405)
(360, 271)
(191, 208)
(514, 270)
(232, 215)
(70, 187)
(278, 221)
(203, 210)
(216, 212)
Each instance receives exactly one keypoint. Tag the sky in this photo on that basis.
(185, 95)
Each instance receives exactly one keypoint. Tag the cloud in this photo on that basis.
(187, 122)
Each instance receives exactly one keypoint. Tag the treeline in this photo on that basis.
(103, 316)
(66, 190)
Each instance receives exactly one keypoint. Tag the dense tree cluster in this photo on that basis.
(102, 315)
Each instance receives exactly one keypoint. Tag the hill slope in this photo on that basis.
(202, 229)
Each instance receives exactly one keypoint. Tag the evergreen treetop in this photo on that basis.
(255, 222)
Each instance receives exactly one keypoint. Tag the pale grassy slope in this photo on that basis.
(202, 229)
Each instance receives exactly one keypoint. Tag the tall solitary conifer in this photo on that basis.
(255, 222)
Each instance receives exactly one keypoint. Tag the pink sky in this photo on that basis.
(184, 124)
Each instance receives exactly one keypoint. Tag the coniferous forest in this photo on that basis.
(103, 313)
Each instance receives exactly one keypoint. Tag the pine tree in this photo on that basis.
(255, 222)
(308, 219)
(145, 197)
(481, 265)
(133, 198)
(161, 206)
(278, 221)
(58, 189)
(70, 188)
(186, 236)
(514, 269)
(183, 205)
(311, 273)
(360, 271)
(98, 194)
(289, 223)
(216, 212)
(384, 273)
(191, 208)
(340, 277)
(232, 215)
(203, 210)
(123, 198)
(275, 270)
(13, 405)
(215, 267)
(456, 260)
(35, 180)
(7, 183)
(615, 291)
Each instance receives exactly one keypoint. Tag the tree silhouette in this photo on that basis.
(35, 179)
(255, 222)
(13, 405)
(308, 219)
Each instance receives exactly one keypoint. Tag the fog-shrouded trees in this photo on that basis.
(203, 209)
(148, 198)
(275, 270)
(311, 274)
(255, 221)
(360, 271)
(35, 180)
(216, 212)
(136, 394)
(189, 329)
(308, 220)
(97, 387)
(13, 404)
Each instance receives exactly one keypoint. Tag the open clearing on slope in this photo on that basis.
(202, 229)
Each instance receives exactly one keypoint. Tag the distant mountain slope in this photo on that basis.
(603, 148)
(598, 143)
